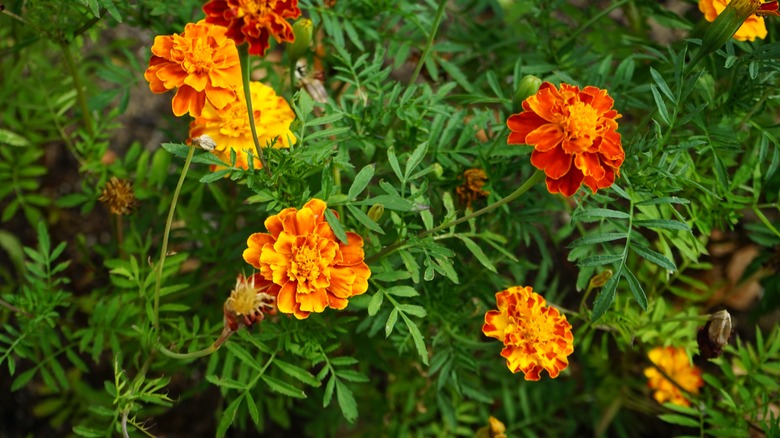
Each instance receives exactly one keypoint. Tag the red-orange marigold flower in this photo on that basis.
(254, 21)
(536, 336)
(675, 363)
(574, 136)
(202, 63)
(308, 265)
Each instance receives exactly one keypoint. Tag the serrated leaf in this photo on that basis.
(415, 159)
(599, 260)
(680, 420)
(228, 416)
(297, 373)
(594, 214)
(605, 298)
(653, 256)
(328, 394)
(375, 303)
(364, 219)
(659, 103)
(214, 176)
(336, 226)
(346, 401)
(243, 355)
(636, 288)
(419, 343)
(596, 238)
(413, 309)
(252, 408)
(478, 253)
(402, 291)
(667, 224)
(282, 387)
(391, 320)
(361, 181)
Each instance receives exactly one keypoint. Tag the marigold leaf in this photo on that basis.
(402, 291)
(595, 214)
(228, 416)
(419, 343)
(664, 200)
(88, 432)
(659, 103)
(415, 159)
(343, 361)
(23, 379)
(252, 408)
(599, 260)
(224, 382)
(659, 80)
(605, 298)
(361, 181)
(346, 401)
(391, 320)
(375, 303)
(653, 256)
(243, 355)
(478, 253)
(324, 120)
(327, 133)
(328, 395)
(282, 387)
(413, 309)
(680, 420)
(214, 176)
(598, 238)
(12, 139)
(334, 223)
(364, 219)
(297, 372)
(353, 376)
(636, 288)
(667, 224)
(394, 163)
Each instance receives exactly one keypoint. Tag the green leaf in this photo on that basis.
(597, 238)
(664, 200)
(297, 372)
(599, 260)
(659, 103)
(653, 256)
(659, 80)
(328, 395)
(243, 355)
(595, 214)
(215, 176)
(415, 159)
(252, 407)
(394, 163)
(478, 253)
(402, 291)
(336, 226)
(391, 320)
(364, 219)
(605, 298)
(12, 139)
(88, 432)
(375, 303)
(636, 288)
(346, 401)
(680, 420)
(282, 387)
(419, 343)
(228, 416)
(361, 181)
(413, 309)
(667, 224)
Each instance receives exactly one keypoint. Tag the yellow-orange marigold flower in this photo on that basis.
(536, 336)
(753, 27)
(254, 21)
(574, 135)
(675, 363)
(229, 128)
(309, 266)
(201, 63)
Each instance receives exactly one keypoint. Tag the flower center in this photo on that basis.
(582, 121)
(252, 7)
(199, 57)
(305, 262)
(235, 123)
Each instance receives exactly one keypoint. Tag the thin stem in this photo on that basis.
(590, 22)
(246, 74)
(431, 37)
(119, 235)
(166, 234)
(80, 96)
(13, 308)
(537, 177)
(224, 336)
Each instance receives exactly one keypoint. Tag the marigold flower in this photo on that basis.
(494, 429)
(201, 62)
(471, 189)
(254, 21)
(536, 336)
(753, 26)
(309, 266)
(229, 128)
(249, 302)
(574, 136)
(674, 362)
(119, 197)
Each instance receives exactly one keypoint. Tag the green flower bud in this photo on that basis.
(376, 211)
(303, 30)
(438, 171)
(600, 280)
(527, 87)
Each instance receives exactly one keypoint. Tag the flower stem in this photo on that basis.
(537, 177)
(246, 74)
(573, 36)
(80, 97)
(431, 37)
(166, 234)
(224, 336)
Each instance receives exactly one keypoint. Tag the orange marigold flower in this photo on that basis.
(308, 265)
(249, 302)
(753, 27)
(202, 64)
(229, 128)
(118, 196)
(254, 21)
(471, 189)
(674, 362)
(536, 336)
(574, 136)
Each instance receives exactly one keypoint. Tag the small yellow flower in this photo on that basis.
(536, 336)
(674, 362)
(119, 197)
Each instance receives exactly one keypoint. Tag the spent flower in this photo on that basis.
(536, 336)
(310, 268)
(118, 196)
(574, 136)
(249, 302)
(471, 189)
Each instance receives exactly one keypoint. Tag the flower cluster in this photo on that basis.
(574, 136)
(536, 336)
(309, 267)
(672, 363)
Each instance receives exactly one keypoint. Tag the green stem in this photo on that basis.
(80, 97)
(590, 22)
(224, 336)
(537, 177)
(246, 74)
(698, 318)
(166, 234)
(431, 37)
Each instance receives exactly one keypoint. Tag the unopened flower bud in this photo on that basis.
(715, 334)
(303, 30)
(204, 142)
(527, 87)
(438, 171)
(600, 280)
(376, 211)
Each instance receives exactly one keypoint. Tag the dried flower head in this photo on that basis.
(714, 336)
(536, 336)
(202, 64)
(674, 363)
(309, 266)
(471, 189)
(254, 21)
(753, 25)
(574, 136)
(249, 302)
(229, 128)
(119, 197)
